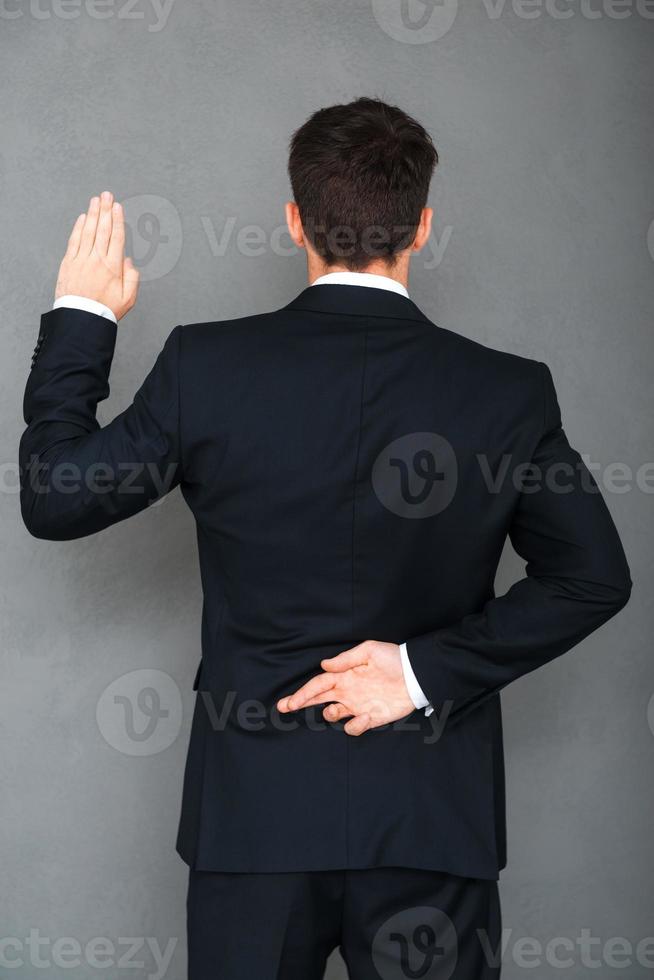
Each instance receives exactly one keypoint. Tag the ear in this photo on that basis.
(424, 230)
(294, 224)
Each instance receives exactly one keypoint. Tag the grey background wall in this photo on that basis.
(544, 202)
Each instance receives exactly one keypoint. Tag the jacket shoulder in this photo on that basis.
(502, 378)
(481, 356)
(210, 330)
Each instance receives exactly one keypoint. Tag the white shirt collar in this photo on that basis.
(361, 279)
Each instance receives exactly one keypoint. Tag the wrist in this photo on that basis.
(415, 692)
(75, 302)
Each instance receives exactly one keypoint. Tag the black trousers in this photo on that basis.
(390, 924)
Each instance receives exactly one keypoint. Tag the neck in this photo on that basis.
(399, 270)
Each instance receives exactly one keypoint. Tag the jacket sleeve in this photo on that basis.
(576, 578)
(76, 477)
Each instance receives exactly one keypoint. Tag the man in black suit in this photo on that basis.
(354, 471)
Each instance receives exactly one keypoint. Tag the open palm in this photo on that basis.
(94, 265)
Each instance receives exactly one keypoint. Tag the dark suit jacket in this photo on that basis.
(343, 459)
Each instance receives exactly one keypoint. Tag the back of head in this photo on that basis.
(360, 175)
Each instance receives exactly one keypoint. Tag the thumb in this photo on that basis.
(131, 276)
(358, 725)
(356, 657)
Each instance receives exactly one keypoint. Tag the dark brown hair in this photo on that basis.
(360, 175)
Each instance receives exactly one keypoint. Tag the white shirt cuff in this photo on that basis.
(87, 305)
(416, 693)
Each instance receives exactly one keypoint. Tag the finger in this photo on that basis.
(103, 231)
(131, 277)
(356, 657)
(358, 725)
(320, 699)
(75, 236)
(316, 686)
(90, 226)
(116, 250)
(336, 712)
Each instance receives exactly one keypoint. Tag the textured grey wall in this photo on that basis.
(542, 115)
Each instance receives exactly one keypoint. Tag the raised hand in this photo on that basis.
(94, 265)
(365, 684)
